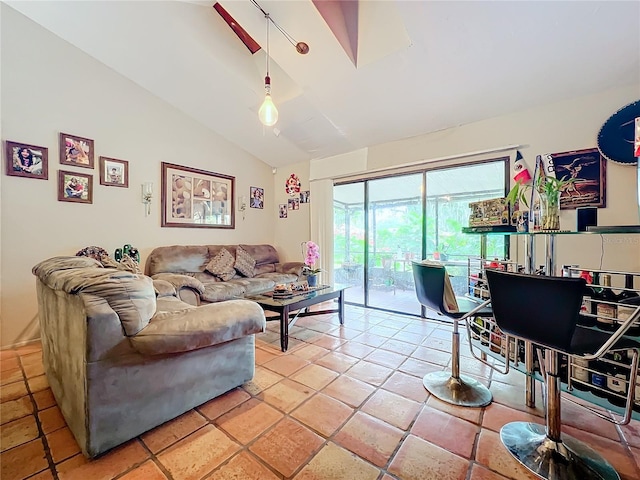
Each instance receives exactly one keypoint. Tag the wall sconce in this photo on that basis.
(242, 205)
(147, 195)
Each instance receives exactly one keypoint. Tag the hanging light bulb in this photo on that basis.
(268, 113)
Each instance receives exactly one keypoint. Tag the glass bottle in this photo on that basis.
(617, 377)
(587, 301)
(628, 300)
(580, 372)
(606, 311)
(598, 378)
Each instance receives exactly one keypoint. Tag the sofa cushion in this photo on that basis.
(245, 263)
(184, 329)
(221, 265)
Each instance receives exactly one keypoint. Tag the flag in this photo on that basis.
(520, 171)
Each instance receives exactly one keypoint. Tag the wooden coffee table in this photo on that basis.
(285, 307)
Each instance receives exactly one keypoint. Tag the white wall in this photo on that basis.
(48, 87)
(553, 128)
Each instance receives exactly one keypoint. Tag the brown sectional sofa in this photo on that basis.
(184, 266)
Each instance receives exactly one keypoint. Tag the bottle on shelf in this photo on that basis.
(606, 309)
(580, 372)
(598, 378)
(617, 379)
(628, 300)
(625, 310)
(587, 300)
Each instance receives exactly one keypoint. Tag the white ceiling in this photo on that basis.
(438, 64)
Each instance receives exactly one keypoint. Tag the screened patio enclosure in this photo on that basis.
(381, 225)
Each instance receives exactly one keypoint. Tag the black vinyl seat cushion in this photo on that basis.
(545, 311)
(429, 281)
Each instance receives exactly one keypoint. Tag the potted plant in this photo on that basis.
(549, 189)
(311, 254)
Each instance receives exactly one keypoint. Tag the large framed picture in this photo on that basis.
(196, 198)
(587, 168)
(114, 173)
(28, 161)
(76, 151)
(75, 187)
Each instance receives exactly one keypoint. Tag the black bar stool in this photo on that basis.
(452, 388)
(545, 311)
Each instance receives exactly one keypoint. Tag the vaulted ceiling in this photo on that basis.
(377, 71)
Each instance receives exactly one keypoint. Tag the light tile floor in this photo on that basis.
(344, 403)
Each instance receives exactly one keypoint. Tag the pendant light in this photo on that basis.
(268, 112)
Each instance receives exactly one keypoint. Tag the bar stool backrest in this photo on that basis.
(429, 281)
(541, 309)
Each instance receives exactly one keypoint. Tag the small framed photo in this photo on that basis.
(283, 210)
(305, 196)
(257, 197)
(76, 151)
(27, 161)
(114, 172)
(293, 203)
(75, 187)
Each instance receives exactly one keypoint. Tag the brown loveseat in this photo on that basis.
(187, 267)
(123, 354)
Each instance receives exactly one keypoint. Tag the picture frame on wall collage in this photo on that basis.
(190, 197)
(293, 188)
(32, 161)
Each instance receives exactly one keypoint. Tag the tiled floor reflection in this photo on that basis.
(344, 403)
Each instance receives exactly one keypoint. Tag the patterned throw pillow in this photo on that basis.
(245, 263)
(221, 265)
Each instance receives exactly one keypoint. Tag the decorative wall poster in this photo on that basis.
(292, 185)
(283, 210)
(305, 197)
(196, 198)
(257, 197)
(587, 168)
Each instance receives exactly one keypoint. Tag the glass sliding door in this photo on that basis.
(349, 239)
(381, 225)
(449, 192)
(394, 239)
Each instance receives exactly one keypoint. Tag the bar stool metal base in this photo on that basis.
(569, 459)
(462, 391)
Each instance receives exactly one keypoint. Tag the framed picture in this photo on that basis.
(76, 151)
(293, 204)
(282, 209)
(75, 187)
(305, 196)
(114, 172)
(257, 197)
(588, 169)
(27, 160)
(196, 198)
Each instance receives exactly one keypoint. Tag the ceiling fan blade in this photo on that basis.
(242, 34)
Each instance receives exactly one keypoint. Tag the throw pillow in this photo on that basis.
(221, 265)
(245, 263)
